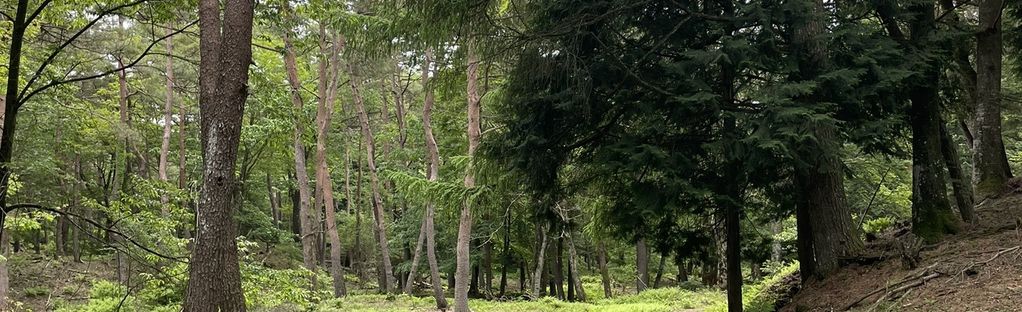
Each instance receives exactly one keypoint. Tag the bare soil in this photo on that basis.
(978, 269)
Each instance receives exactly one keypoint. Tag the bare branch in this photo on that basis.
(23, 99)
(55, 52)
(36, 12)
(10, 208)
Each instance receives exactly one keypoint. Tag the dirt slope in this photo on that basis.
(979, 269)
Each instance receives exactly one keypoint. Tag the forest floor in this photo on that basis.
(975, 270)
(655, 300)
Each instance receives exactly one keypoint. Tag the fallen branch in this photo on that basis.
(997, 255)
(901, 286)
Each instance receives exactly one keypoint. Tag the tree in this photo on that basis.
(819, 179)
(387, 282)
(932, 216)
(214, 276)
(465, 219)
(990, 172)
(328, 84)
(308, 214)
(433, 174)
(167, 123)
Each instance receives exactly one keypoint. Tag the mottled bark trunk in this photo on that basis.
(465, 219)
(274, 201)
(306, 212)
(990, 174)
(214, 277)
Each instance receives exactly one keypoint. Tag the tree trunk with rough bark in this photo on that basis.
(820, 182)
(932, 216)
(214, 276)
(989, 174)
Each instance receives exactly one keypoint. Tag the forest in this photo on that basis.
(510, 155)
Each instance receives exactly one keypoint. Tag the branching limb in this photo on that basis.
(10, 208)
(25, 97)
(59, 49)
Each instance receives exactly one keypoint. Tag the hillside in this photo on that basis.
(974, 270)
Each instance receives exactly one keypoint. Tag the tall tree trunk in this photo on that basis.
(414, 268)
(641, 265)
(76, 245)
(505, 260)
(374, 180)
(660, 271)
(573, 272)
(558, 268)
(961, 187)
(307, 213)
(601, 257)
(328, 94)
(168, 112)
(274, 202)
(537, 276)
(820, 181)
(487, 268)
(990, 174)
(932, 216)
(123, 264)
(5, 274)
(433, 174)
(473, 288)
(522, 280)
(9, 121)
(214, 276)
(465, 219)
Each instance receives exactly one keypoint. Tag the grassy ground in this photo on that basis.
(656, 300)
(757, 298)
